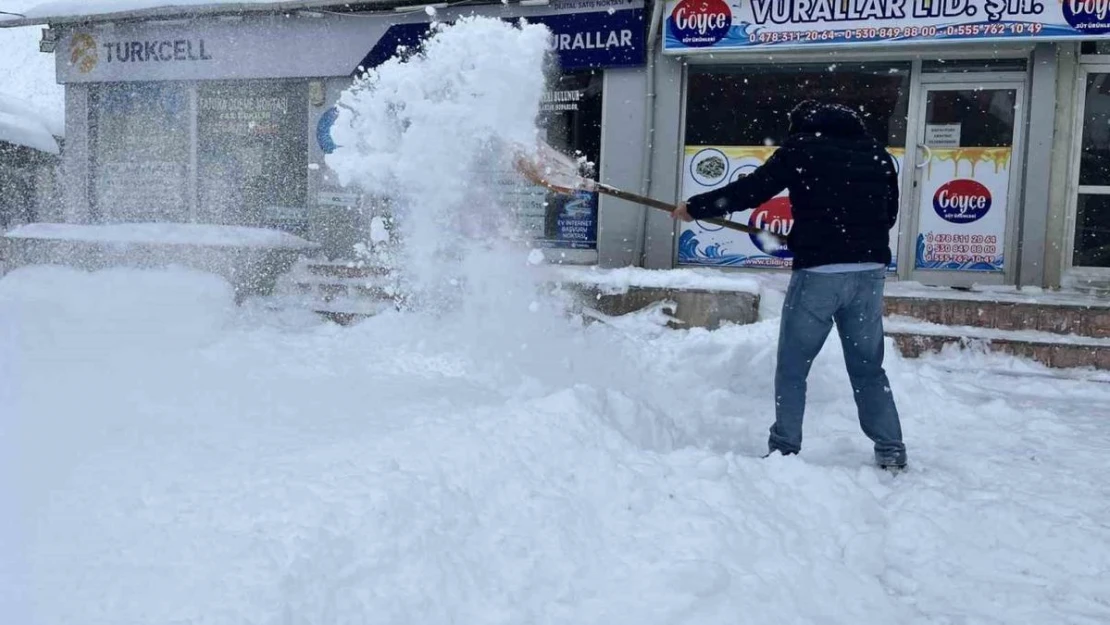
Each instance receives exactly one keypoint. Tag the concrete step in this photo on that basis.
(342, 291)
(1076, 315)
(345, 270)
(1052, 349)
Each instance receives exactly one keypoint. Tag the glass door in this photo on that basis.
(965, 183)
(1088, 257)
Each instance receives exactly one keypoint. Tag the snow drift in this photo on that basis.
(180, 460)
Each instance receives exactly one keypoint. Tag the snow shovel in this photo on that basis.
(549, 168)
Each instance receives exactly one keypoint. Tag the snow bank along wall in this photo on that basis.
(997, 113)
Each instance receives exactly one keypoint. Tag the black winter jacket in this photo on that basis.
(843, 189)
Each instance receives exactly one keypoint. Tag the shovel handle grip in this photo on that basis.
(670, 208)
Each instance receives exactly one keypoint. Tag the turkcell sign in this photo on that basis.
(155, 51)
(587, 34)
(596, 39)
(713, 25)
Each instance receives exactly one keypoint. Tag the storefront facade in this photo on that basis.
(993, 111)
(997, 112)
(225, 119)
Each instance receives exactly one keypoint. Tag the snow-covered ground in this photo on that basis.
(171, 458)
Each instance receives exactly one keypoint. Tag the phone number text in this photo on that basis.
(898, 32)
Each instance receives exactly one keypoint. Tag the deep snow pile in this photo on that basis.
(181, 461)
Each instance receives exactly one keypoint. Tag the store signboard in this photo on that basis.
(585, 35)
(710, 167)
(963, 210)
(714, 25)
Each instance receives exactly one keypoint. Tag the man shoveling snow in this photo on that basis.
(844, 196)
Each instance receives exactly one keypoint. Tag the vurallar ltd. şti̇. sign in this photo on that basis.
(695, 25)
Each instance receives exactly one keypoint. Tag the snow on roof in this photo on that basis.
(56, 11)
(26, 131)
(28, 79)
(12, 104)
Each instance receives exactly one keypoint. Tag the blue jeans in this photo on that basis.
(854, 302)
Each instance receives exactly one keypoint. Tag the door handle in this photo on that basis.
(928, 155)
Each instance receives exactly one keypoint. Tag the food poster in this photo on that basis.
(963, 209)
(710, 167)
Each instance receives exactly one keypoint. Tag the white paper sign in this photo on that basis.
(942, 135)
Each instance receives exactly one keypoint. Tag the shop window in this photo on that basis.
(973, 66)
(21, 176)
(571, 119)
(737, 116)
(748, 106)
(1094, 47)
(252, 154)
(139, 136)
(985, 117)
(1092, 219)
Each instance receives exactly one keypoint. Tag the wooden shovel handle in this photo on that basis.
(531, 171)
(670, 208)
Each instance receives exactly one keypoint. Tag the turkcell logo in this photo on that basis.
(700, 23)
(1088, 16)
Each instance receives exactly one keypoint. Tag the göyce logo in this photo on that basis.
(774, 216)
(700, 23)
(1088, 16)
(962, 201)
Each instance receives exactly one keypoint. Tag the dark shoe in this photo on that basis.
(891, 461)
(891, 465)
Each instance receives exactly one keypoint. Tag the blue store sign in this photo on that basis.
(576, 222)
(597, 39)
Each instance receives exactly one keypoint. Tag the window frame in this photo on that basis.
(96, 93)
(191, 89)
(591, 78)
(1075, 189)
(788, 69)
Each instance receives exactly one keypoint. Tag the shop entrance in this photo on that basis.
(964, 195)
